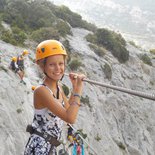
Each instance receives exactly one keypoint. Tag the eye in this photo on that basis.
(61, 63)
(51, 64)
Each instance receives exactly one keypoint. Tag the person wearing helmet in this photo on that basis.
(13, 64)
(20, 60)
(51, 105)
(25, 52)
(20, 64)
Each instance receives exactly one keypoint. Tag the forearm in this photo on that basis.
(74, 100)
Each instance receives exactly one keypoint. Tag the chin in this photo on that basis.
(57, 78)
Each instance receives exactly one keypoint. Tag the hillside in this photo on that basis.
(115, 123)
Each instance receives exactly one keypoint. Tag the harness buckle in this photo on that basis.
(45, 135)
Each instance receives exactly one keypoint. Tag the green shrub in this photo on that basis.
(68, 49)
(85, 100)
(152, 83)
(91, 38)
(16, 37)
(97, 138)
(63, 28)
(2, 5)
(146, 59)
(107, 71)
(19, 110)
(133, 44)
(88, 26)
(3, 68)
(19, 35)
(120, 52)
(66, 14)
(100, 51)
(65, 89)
(80, 131)
(7, 36)
(30, 16)
(152, 51)
(44, 34)
(121, 145)
(75, 64)
(111, 41)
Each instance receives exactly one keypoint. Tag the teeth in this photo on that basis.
(57, 73)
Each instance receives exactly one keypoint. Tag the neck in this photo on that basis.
(53, 85)
(50, 83)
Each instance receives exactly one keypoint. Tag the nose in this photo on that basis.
(57, 66)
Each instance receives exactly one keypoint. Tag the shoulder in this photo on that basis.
(42, 94)
(40, 89)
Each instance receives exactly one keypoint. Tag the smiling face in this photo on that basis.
(55, 66)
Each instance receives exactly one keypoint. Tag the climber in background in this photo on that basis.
(14, 67)
(17, 65)
(20, 63)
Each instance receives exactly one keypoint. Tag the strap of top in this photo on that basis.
(52, 92)
(58, 90)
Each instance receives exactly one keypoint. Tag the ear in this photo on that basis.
(40, 63)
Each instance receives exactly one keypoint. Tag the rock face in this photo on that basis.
(116, 123)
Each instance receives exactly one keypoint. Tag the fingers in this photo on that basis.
(74, 76)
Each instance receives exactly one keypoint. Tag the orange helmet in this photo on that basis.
(33, 87)
(48, 48)
(14, 59)
(25, 52)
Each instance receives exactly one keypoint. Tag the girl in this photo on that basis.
(51, 105)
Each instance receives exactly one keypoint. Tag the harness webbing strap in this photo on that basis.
(57, 95)
(95, 153)
(74, 149)
(82, 149)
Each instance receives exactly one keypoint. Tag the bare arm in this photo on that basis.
(43, 98)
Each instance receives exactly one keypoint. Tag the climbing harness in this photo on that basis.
(125, 90)
(74, 149)
(53, 141)
(82, 145)
(82, 149)
(63, 151)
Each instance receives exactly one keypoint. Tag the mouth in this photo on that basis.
(57, 74)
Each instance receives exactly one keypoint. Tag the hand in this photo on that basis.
(75, 76)
(77, 81)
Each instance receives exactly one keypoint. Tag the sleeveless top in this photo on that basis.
(20, 62)
(45, 121)
(13, 66)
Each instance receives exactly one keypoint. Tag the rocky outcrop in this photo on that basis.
(116, 123)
